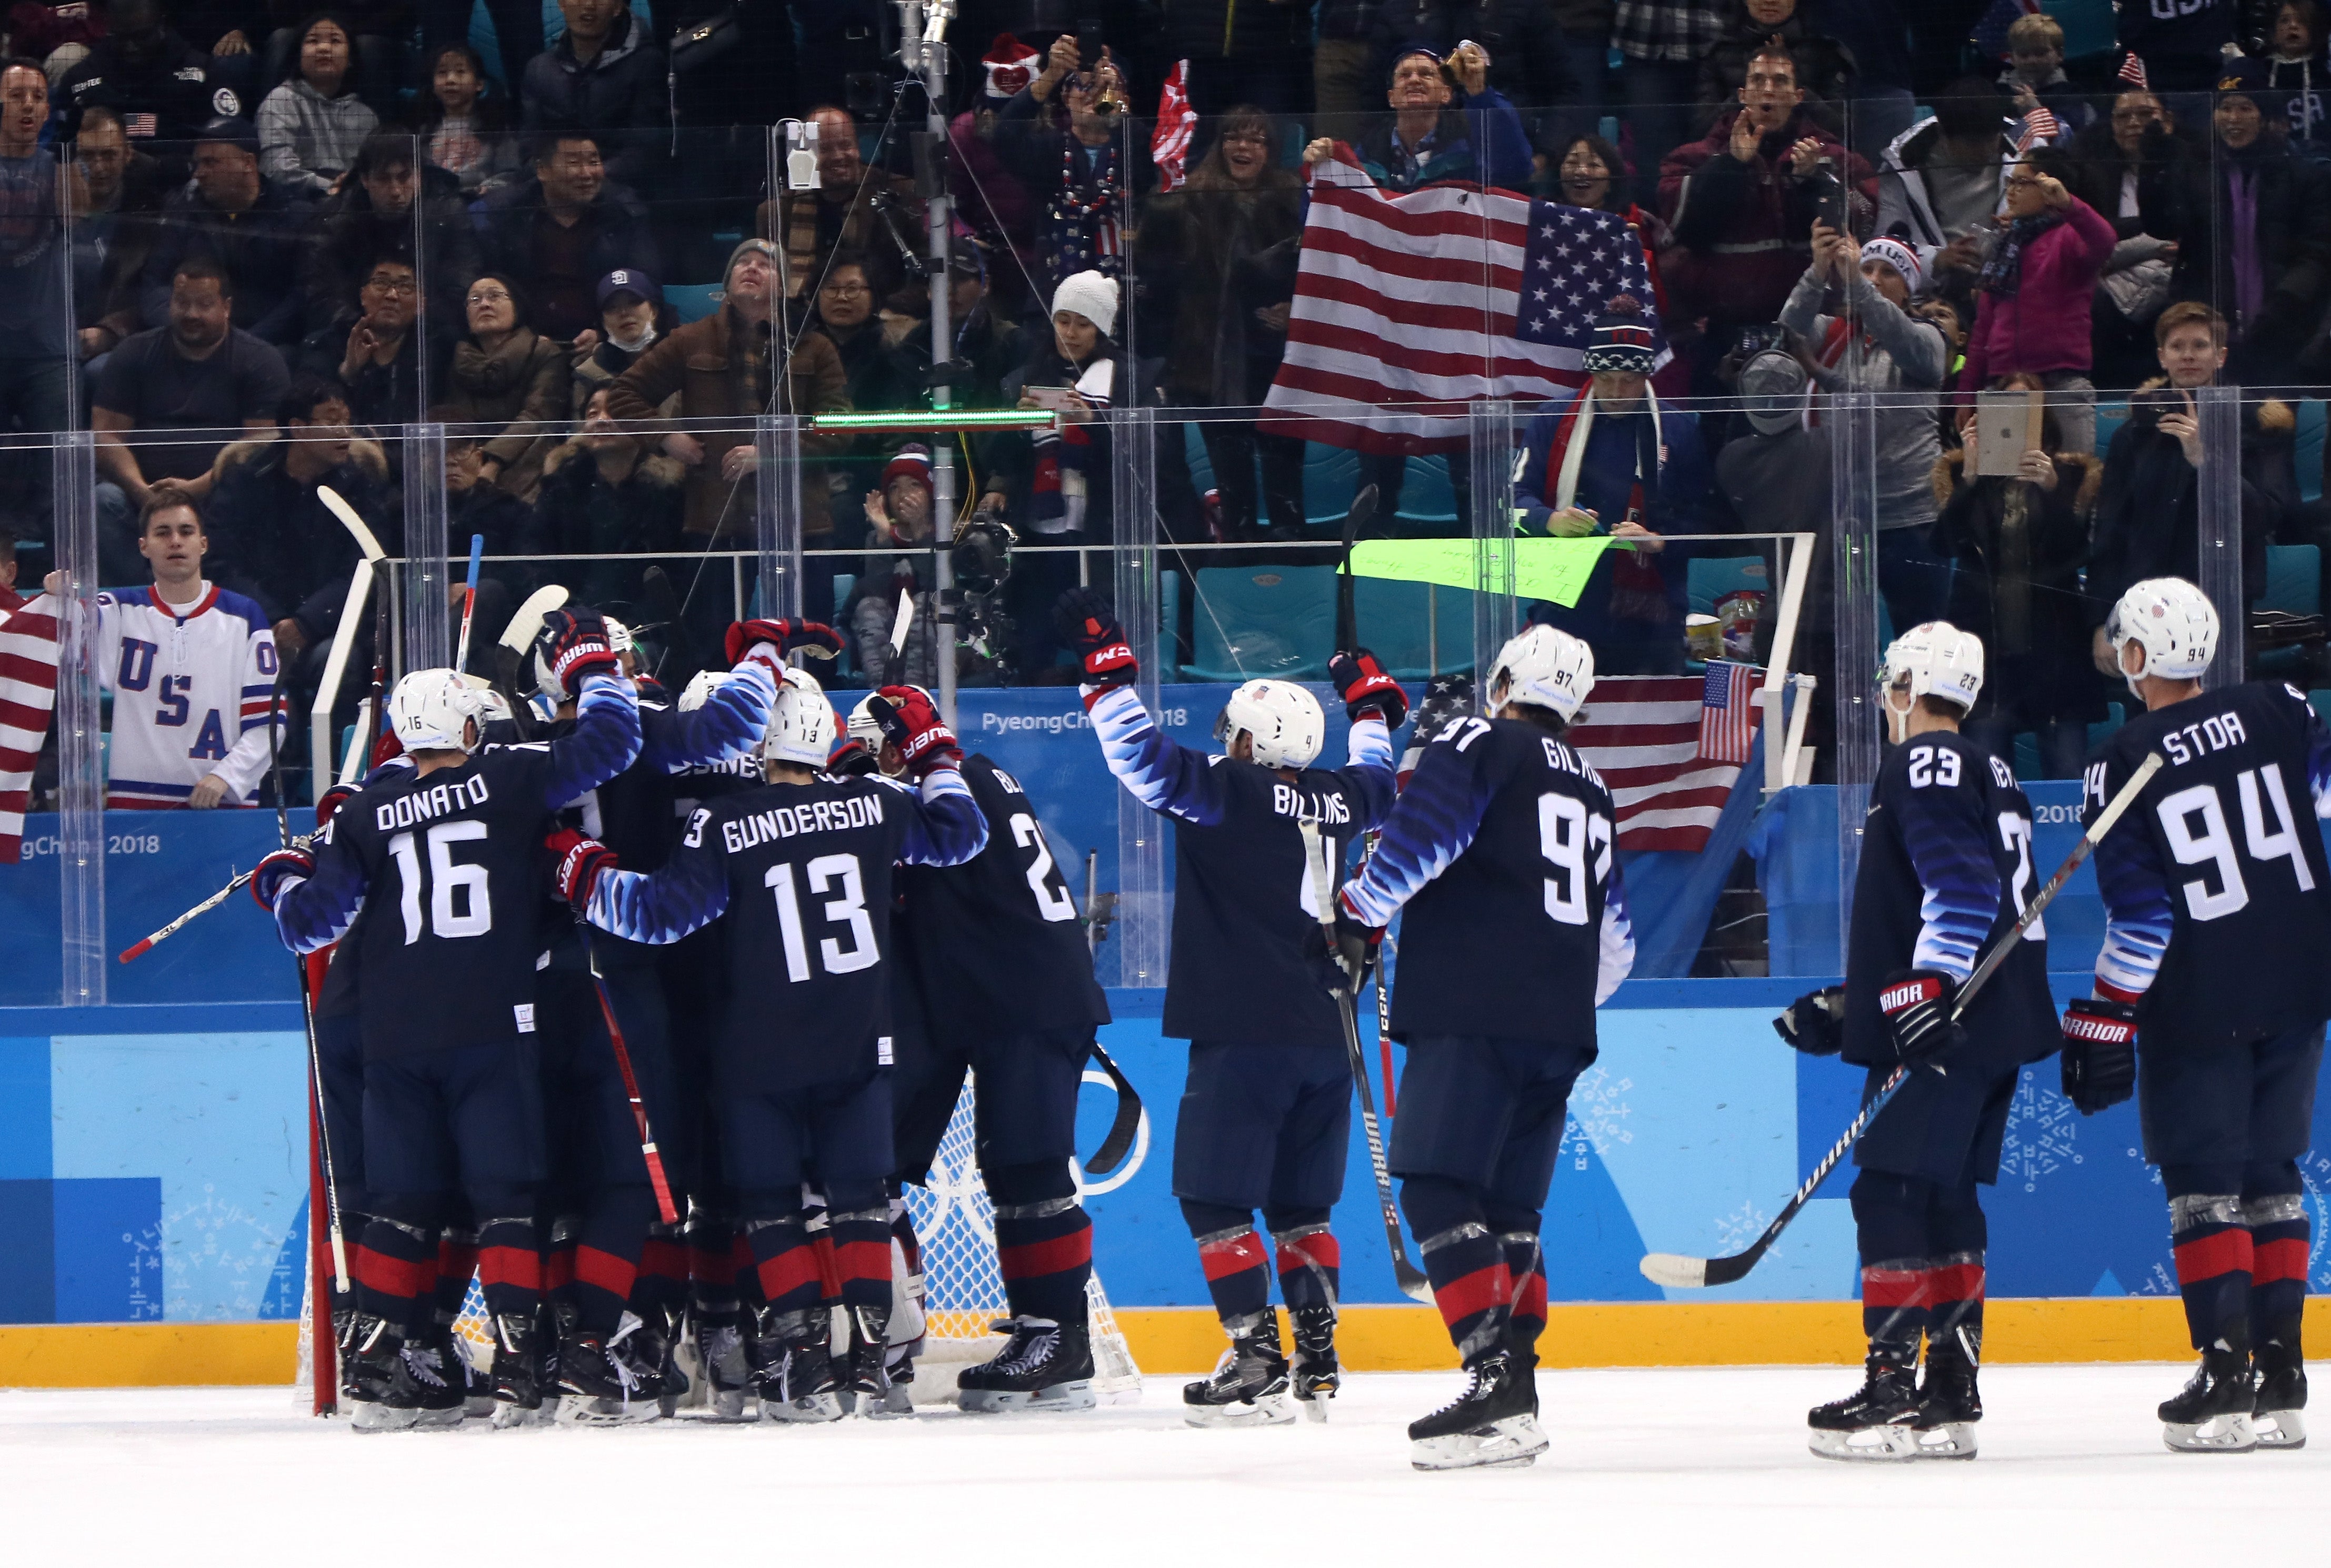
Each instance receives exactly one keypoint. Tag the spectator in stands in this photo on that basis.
(563, 230)
(1874, 344)
(846, 317)
(1601, 460)
(1426, 140)
(1878, 34)
(2018, 545)
(2118, 167)
(505, 375)
(1939, 182)
(54, 36)
(845, 213)
(236, 216)
(723, 368)
(372, 220)
(310, 126)
(387, 356)
(155, 80)
(1590, 172)
(2035, 78)
(2181, 50)
(2148, 513)
(1343, 67)
(464, 129)
(1825, 66)
(631, 315)
(518, 33)
(607, 492)
(36, 309)
(1224, 249)
(990, 199)
(605, 76)
(899, 563)
(273, 537)
(11, 601)
(117, 196)
(1524, 51)
(1743, 200)
(377, 32)
(1585, 27)
(1664, 42)
(2298, 72)
(2252, 225)
(200, 372)
(1081, 177)
(984, 335)
(2032, 311)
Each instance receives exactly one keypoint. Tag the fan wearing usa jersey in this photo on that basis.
(1501, 852)
(437, 868)
(192, 670)
(2212, 988)
(801, 869)
(1945, 873)
(1266, 1110)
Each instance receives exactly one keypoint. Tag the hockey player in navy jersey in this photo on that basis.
(441, 863)
(1266, 1113)
(1945, 872)
(2212, 991)
(1501, 852)
(801, 869)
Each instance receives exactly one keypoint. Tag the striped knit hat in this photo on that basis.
(1623, 339)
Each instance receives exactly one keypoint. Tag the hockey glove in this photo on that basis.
(581, 863)
(1916, 1003)
(1089, 625)
(1364, 688)
(1814, 1022)
(573, 643)
(333, 799)
(911, 724)
(850, 759)
(2100, 1061)
(745, 638)
(278, 873)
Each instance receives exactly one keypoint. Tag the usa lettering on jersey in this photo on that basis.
(192, 689)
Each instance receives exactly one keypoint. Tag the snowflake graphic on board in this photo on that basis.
(1598, 1115)
(220, 1257)
(2041, 1128)
(1735, 1231)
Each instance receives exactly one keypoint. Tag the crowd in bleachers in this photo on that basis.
(550, 227)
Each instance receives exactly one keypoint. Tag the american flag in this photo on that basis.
(2038, 126)
(1728, 712)
(1644, 734)
(2132, 70)
(1427, 302)
(28, 692)
(1177, 122)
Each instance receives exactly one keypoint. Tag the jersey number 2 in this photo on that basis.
(447, 878)
(1567, 834)
(849, 909)
(1053, 900)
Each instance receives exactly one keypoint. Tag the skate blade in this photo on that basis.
(1950, 1441)
(1060, 1396)
(1270, 1411)
(478, 1407)
(2280, 1429)
(809, 1410)
(1315, 1408)
(373, 1416)
(578, 1411)
(1512, 1443)
(1883, 1445)
(511, 1417)
(728, 1407)
(438, 1420)
(2226, 1434)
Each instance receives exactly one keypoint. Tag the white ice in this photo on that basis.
(1707, 1467)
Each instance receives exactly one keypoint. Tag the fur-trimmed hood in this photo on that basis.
(364, 455)
(2084, 500)
(655, 467)
(2272, 417)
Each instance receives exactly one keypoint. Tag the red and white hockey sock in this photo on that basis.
(509, 1266)
(861, 1256)
(2213, 1248)
(785, 1263)
(1232, 1257)
(1310, 1260)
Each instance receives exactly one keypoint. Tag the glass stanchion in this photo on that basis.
(2220, 527)
(1143, 912)
(1854, 477)
(80, 728)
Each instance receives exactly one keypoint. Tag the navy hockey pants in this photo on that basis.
(1263, 1126)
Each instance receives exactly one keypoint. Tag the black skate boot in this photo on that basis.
(1880, 1422)
(1043, 1366)
(371, 1357)
(651, 1350)
(475, 1362)
(1250, 1385)
(1317, 1376)
(1494, 1423)
(2281, 1372)
(865, 1385)
(1948, 1401)
(518, 1371)
(2211, 1414)
(598, 1386)
(429, 1377)
(726, 1368)
(796, 1379)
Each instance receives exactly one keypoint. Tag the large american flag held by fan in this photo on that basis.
(28, 693)
(1645, 735)
(1417, 305)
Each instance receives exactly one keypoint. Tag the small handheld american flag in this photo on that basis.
(1728, 712)
(2132, 70)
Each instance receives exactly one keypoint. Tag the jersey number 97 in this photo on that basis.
(1567, 835)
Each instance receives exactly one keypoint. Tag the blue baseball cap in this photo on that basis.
(629, 281)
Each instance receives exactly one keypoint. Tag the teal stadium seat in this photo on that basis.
(1709, 578)
(1275, 621)
(2307, 450)
(691, 301)
(1416, 630)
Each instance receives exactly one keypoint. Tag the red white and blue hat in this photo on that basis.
(1623, 339)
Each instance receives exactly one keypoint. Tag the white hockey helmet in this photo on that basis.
(801, 725)
(700, 687)
(861, 726)
(1544, 667)
(1283, 719)
(497, 705)
(1934, 659)
(433, 709)
(2172, 621)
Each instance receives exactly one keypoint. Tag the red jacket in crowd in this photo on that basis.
(2043, 326)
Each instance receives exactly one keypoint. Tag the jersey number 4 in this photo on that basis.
(2268, 832)
(839, 874)
(457, 904)
(1567, 834)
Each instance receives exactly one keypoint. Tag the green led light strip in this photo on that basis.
(963, 419)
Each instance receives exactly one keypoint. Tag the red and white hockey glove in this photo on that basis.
(770, 640)
(2100, 1063)
(1916, 1003)
(573, 643)
(911, 724)
(278, 873)
(581, 863)
(850, 759)
(1089, 625)
(1365, 689)
(329, 805)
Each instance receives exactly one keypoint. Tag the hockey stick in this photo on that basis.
(469, 603)
(1383, 1022)
(1129, 1103)
(1362, 513)
(140, 948)
(1413, 1282)
(665, 1208)
(339, 508)
(1686, 1273)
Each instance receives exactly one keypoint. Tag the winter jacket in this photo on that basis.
(260, 248)
(873, 612)
(621, 234)
(307, 141)
(620, 97)
(521, 387)
(2019, 551)
(2195, 208)
(1206, 247)
(2296, 100)
(1483, 141)
(352, 238)
(2043, 326)
(381, 394)
(273, 540)
(1906, 207)
(1530, 61)
(1898, 355)
(1744, 231)
(2148, 511)
(175, 87)
(1825, 67)
(811, 228)
(584, 511)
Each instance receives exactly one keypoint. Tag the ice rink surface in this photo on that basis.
(1646, 1467)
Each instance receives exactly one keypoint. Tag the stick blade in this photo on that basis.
(335, 503)
(1413, 1282)
(1675, 1270)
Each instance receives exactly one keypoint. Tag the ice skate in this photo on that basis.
(2211, 1414)
(1250, 1385)
(371, 1359)
(477, 1378)
(1880, 1423)
(518, 1373)
(1316, 1376)
(2276, 1410)
(1043, 1366)
(598, 1386)
(429, 1379)
(1493, 1423)
(1949, 1403)
(865, 1382)
(726, 1371)
(796, 1380)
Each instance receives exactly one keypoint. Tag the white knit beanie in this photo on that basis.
(1091, 295)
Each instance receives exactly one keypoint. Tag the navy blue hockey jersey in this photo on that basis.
(1243, 904)
(1500, 850)
(2214, 882)
(1945, 872)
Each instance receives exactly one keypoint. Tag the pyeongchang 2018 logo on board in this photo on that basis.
(1061, 723)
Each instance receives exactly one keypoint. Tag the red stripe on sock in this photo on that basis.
(456, 1260)
(1472, 1293)
(740, 1257)
(2227, 1252)
(605, 1271)
(661, 1259)
(407, 1278)
(1958, 1282)
(1031, 1259)
(829, 1272)
(1321, 1251)
(1531, 1300)
(1891, 1287)
(559, 1269)
(1229, 1255)
(2272, 1262)
(518, 1266)
(789, 1270)
(861, 1260)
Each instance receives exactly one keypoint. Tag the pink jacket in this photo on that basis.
(2044, 326)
